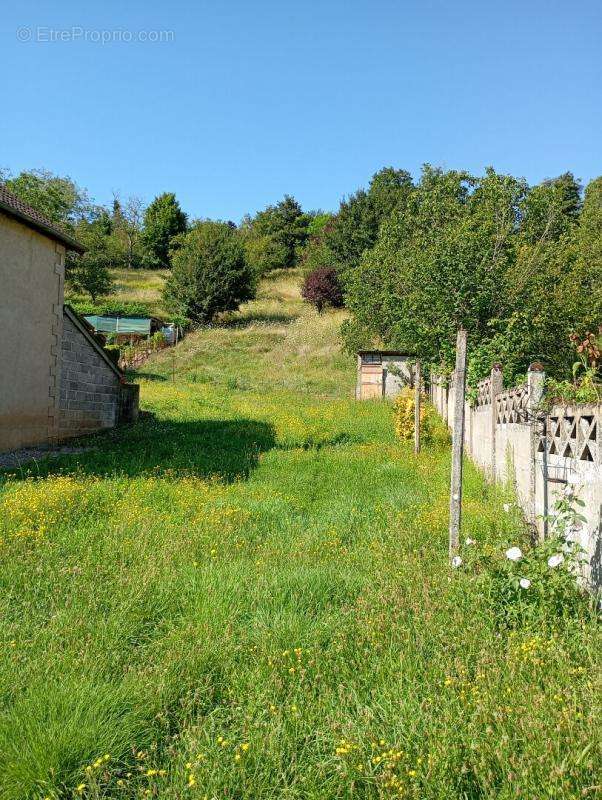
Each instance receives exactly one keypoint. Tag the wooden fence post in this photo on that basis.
(455, 499)
(417, 381)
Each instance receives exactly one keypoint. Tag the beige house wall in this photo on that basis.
(32, 270)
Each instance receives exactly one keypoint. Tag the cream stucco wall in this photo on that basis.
(31, 314)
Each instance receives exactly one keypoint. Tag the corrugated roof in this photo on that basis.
(12, 205)
(384, 353)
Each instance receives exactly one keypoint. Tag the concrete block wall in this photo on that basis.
(504, 436)
(89, 387)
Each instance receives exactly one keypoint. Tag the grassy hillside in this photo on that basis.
(136, 289)
(274, 343)
(247, 595)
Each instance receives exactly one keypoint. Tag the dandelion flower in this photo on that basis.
(524, 583)
(555, 560)
(456, 562)
(514, 554)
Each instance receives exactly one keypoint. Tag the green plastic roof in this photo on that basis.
(119, 324)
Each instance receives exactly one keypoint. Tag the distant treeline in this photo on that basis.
(519, 266)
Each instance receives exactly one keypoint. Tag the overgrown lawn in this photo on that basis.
(247, 595)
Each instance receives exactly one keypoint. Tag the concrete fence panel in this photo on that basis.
(505, 434)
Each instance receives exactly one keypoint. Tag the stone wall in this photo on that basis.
(90, 386)
(506, 433)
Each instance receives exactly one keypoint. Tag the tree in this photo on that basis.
(89, 272)
(127, 232)
(264, 253)
(354, 229)
(589, 234)
(164, 221)
(275, 237)
(209, 273)
(550, 209)
(59, 199)
(440, 261)
(322, 288)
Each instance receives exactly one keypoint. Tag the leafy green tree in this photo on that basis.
(209, 273)
(317, 222)
(58, 198)
(274, 238)
(344, 237)
(89, 273)
(440, 262)
(589, 236)
(550, 209)
(164, 221)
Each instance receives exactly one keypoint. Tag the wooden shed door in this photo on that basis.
(371, 381)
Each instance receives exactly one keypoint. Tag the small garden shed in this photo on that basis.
(382, 373)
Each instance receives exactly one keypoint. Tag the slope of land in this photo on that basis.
(247, 595)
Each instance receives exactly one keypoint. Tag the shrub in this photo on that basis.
(539, 585)
(322, 288)
(432, 429)
(209, 273)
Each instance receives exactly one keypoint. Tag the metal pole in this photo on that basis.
(455, 499)
(417, 379)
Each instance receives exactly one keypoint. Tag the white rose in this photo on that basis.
(524, 583)
(555, 560)
(514, 554)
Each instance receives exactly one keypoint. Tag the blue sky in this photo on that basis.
(251, 100)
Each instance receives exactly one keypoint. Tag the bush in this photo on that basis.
(209, 273)
(540, 584)
(432, 428)
(110, 308)
(322, 288)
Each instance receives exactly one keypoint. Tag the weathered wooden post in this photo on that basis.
(417, 382)
(455, 499)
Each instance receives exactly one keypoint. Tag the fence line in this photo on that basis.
(505, 435)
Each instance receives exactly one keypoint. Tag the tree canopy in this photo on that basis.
(164, 220)
(501, 259)
(209, 274)
(274, 238)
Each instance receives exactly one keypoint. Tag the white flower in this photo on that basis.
(507, 507)
(456, 561)
(555, 560)
(524, 583)
(514, 554)
(468, 541)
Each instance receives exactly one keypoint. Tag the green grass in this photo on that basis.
(247, 595)
(137, 291)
